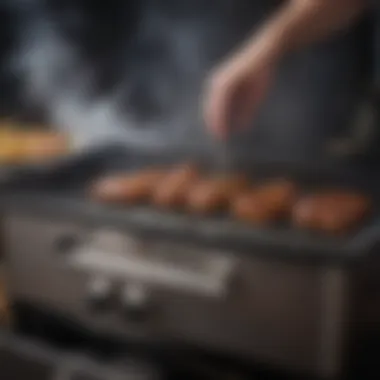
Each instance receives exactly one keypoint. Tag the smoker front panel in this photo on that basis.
(286, 315)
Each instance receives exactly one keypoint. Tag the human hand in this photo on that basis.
(235, 92)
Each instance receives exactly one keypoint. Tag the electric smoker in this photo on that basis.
(276, 295)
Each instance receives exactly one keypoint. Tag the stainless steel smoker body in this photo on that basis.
(275, 295)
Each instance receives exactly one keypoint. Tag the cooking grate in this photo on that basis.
(61, 191)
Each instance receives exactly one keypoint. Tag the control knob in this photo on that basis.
(99, 294)
(65, 244)
(135, 302)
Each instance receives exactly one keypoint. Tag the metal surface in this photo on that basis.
(335, 299)
(21, 358)
(209, 279)
(13, 173)
(276, 313)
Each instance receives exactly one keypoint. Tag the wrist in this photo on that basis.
(271, 43)
(264, 52)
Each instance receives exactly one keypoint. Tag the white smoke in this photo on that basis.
(57, 79)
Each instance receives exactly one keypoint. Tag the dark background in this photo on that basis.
(135, 71)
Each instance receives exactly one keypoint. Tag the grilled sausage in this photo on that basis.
(174, 187)
(331, 212)
(126, 188)
(212, 195)
(267, 203)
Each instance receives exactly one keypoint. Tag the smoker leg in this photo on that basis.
(334, 321)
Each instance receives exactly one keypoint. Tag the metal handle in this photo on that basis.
(212, 282)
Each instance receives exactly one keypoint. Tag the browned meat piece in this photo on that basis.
(212, 195)
(174, 187)
(266, 203)
(335, 212)
(126, 188)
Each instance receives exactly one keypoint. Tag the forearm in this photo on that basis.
(302, 22)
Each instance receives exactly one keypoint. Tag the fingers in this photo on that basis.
(232, 99)
(217, 111)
